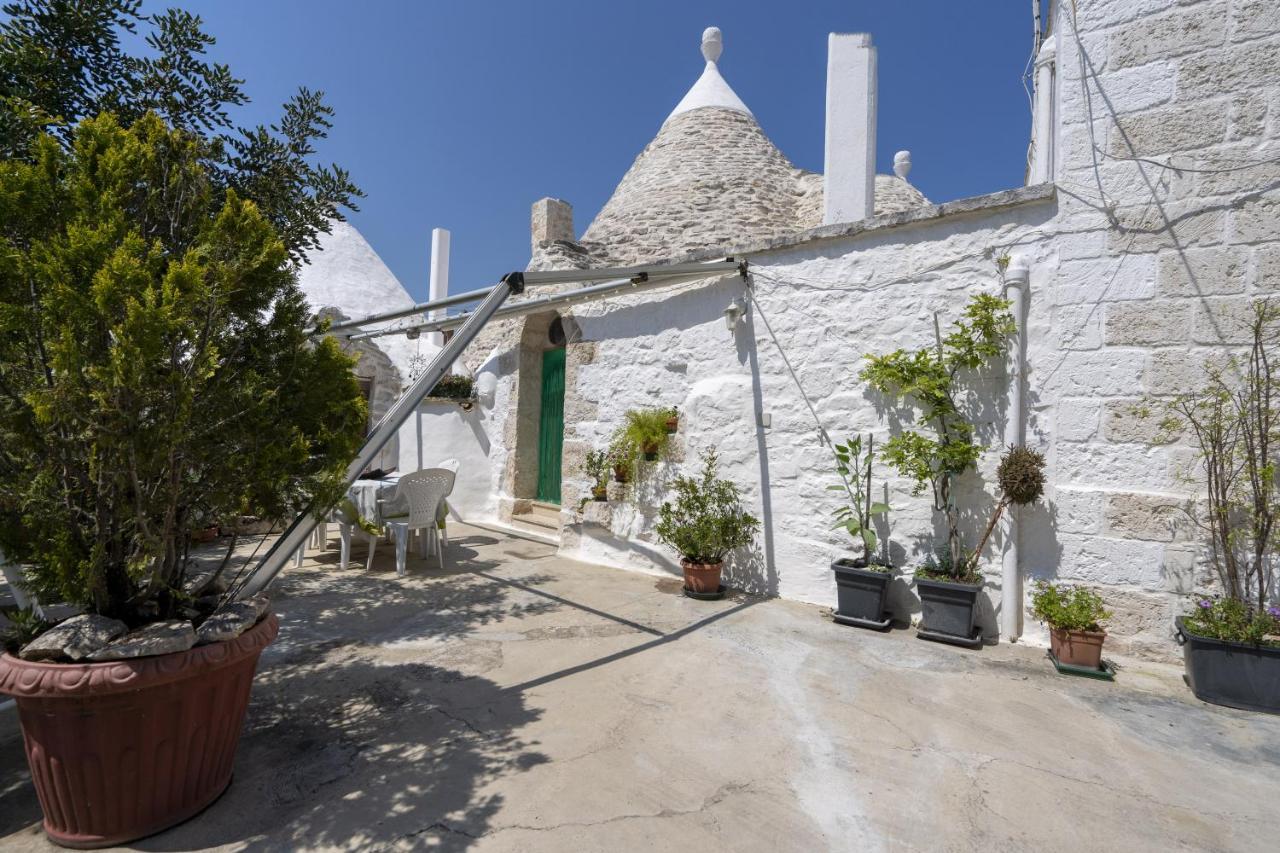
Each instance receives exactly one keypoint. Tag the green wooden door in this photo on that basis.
(551, 426)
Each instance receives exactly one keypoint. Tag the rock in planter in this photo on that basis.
(159, 638)
(76, 638)
(229, 622)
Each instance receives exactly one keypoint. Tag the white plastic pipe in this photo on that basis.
(1042, 148)
(439, 287)
(1016, 286)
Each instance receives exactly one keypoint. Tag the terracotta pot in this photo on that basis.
(600, 493)
(650, 451)
(673, 425)
(620, 475)
(123, 749)
(701, 577)
(1078, 648)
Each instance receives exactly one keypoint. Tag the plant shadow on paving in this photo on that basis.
(346, 745)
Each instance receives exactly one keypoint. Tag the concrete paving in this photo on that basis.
(517, 701)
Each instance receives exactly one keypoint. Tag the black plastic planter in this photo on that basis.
(860, 595)
(1237, 675)
(948, 612)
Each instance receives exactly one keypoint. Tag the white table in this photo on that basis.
(365, 494)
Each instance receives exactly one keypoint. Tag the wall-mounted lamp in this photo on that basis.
(734, 313)
(412, 334)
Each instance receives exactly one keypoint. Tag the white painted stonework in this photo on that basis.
(710, 90)
(1136, 275)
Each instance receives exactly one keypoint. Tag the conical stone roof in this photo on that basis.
(711, 178)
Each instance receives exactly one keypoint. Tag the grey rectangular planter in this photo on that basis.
(860, 594)
(1237, 675)
(948, 612)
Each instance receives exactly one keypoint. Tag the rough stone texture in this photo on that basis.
(1164, 131)
(551, 220)
(1203, 272)
(76, 638)
(1174, 34)
(1137, 421)
(1160, 323)
(1162, 518)
(228, 623)
(712, 178)
(158, 638)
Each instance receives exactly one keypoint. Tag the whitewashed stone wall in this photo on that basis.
(1139, 274)
(1141, 302)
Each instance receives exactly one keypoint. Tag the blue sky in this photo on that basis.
(461, 114)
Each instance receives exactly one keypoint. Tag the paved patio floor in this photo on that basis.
(518, 701)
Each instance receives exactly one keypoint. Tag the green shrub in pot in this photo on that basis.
(705, 522)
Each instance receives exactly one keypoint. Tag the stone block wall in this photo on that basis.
(1166, 234)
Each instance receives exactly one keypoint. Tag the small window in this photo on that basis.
(556, 333)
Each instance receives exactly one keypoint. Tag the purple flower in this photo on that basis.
(1273, 612)
(1205, 604)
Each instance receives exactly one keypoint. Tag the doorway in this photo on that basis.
(551, 426)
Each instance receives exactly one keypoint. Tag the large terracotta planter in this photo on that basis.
(123, 749)
(1077, 648)
(701, 577)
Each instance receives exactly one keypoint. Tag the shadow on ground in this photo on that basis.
(349, 745)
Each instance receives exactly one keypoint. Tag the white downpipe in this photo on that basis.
(439, 287)
(1016, 287)
(1042, 134)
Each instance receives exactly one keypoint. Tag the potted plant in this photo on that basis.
(930, 380)
(597, 468)
(673, 420)
(158, 371)
(705, 523)
(621, 459)
(1231, 640)
(861, 582)
(454, 386)
(646, 431)
(1075, 616)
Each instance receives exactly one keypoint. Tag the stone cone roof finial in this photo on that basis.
(711, 90)
(712, 43)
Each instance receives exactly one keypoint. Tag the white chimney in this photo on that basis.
(439, 287)
(849, 184)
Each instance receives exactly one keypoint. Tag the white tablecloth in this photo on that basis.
(365, 494)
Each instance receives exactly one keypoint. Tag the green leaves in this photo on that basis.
(853, 464)
(930, 380)
(62, 61)
(707, 519)
(156, 372)
(1068, 608)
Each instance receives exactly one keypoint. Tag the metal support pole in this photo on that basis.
(296, 535)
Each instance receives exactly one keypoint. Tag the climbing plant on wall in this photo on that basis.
(930, 380)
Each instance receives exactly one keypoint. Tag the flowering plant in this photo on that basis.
(1234, 621)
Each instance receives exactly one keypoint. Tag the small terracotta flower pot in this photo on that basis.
(701, 577)
(620, 474)
(123, 749)
(673, 425)
(600, 493)
(1078, 648)
(650, 452)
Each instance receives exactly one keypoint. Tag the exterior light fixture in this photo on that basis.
(734, 313)
(412, 334)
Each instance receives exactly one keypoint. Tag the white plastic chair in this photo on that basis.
(17, 581)
(442, 517)
(423, 490)
(347, 528)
